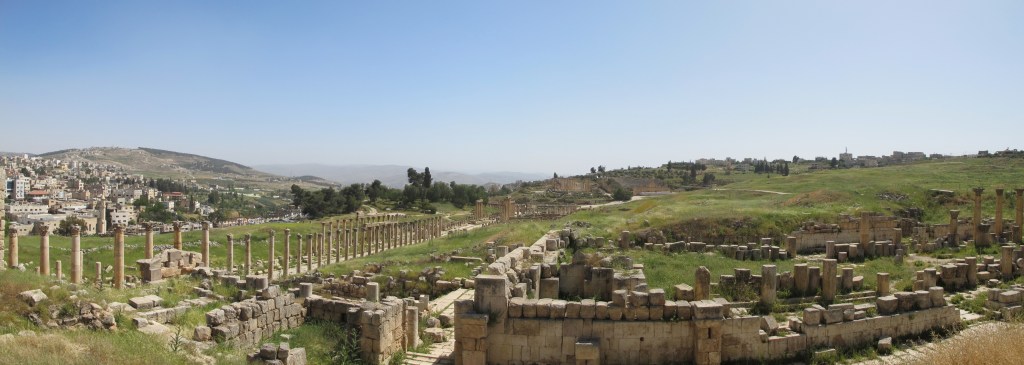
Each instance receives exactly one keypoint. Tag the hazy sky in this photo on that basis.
(532, 86)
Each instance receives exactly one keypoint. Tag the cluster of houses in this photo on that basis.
(42, 191)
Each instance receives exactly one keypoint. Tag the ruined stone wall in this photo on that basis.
(252, 320)
(663, 332)
(168, 263)
(382, 326)
(815, 241)
(500, 325)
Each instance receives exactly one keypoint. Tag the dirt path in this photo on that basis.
(635, 198)
(753, 190)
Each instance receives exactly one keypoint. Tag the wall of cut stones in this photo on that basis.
(168, 263)
(629, 323)
(248, 322)
(385, 328)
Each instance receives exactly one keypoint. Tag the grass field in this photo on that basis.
(742, 211)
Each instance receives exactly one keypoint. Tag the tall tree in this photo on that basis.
(414, 177)
(426, 180)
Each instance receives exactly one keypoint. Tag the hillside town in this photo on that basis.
(46, 192)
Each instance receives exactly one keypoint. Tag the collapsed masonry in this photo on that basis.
(637, 325)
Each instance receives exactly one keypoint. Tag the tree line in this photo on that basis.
(419, 193)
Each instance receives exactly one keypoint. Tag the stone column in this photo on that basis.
(118, 256)
(99, 274)
(882, 281)
(12, 249)
(177, 235)
(231, 254)
(1006, 262)
(865, 228)
(287, 251)
(344, 244)
(800, 279)
(323, 234)
(972, 271)
(954, 238)
(791, 246)
(378, 237)
(828, 280)
(149, 240)
(412, 322)
(270, 257)
(373, 238)
(702, 287)
(309, 252)
(373, 292)
(999, 215)
(101, 216)
(298, 261)
(205, 245)
(1019, 207)
(248, 254)
(478, 209)
(60, 271)
(319, 249)
(976, 223)
(329, 241)
(76, 255)
(339, 242)
(897, 238)
(769, 285)
(44, 249)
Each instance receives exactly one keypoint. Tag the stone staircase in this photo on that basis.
(415, 358)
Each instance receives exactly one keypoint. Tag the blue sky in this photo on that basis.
(533, 86)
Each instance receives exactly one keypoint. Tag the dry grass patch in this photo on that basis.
(989, 343)
(87, 347)
(813, 198)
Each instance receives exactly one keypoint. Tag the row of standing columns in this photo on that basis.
(980, 230)
(340, 240)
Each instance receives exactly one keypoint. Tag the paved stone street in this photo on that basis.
(441, 353)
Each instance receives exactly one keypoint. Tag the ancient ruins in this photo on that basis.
(591, 304)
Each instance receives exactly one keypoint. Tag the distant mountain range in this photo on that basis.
(392, 175)
(152, 161)
(148, 160)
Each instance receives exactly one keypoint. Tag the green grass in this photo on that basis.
(473, 244)
(89, 347)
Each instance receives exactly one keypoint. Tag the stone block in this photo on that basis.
(812, 316)
(202, 333)
(548, 288)
(884, 345)
(32, 297)
(572, 309)
(435, 335)
(656, 297)
(683, 292)
(684, 310)
(887, 305)
(588, 309)
(707, 309)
